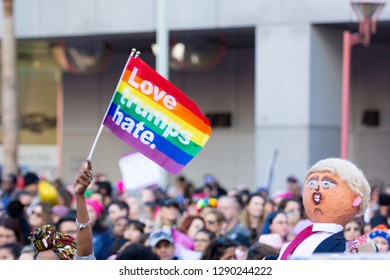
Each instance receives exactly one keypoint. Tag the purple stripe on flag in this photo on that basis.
(153, 154)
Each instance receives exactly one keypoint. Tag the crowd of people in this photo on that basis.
(97, 219)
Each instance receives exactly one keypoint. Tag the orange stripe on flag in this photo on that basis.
(180, 110)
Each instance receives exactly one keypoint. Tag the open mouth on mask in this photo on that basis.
(317, 196)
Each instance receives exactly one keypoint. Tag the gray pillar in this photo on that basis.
(297, 95)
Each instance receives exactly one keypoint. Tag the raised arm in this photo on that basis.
(84, 233)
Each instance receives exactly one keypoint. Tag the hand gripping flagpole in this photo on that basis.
(134, 53)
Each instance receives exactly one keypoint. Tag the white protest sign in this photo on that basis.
(138, 171)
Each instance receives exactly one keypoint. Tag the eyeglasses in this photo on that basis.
(352, 228)
(281, 222)
(170, 203)
(202, 240)
(39, 215)
(209, 222)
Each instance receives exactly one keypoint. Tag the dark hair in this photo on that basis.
(251, 196)
(116, 245)
(285, 201)
(167, 202)
(121, 204)
(384, 199)
(140, 226)
(245, 218)
(64, 219)
(14, 248)
(217, 247)
(144, 238)
(269, 219)
(181, 179)
(12, 224)
(208, 232)
(259, 251)
(137, 251)
(292, 179)
(239, 200)
(15, 209)
(106, 186)
(359, 220)
(187, 221)
(189, 190)
(244, 194)
(30, 178)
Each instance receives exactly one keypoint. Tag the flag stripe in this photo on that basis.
(181, 111)
(197, 137)
(161, 144)
(147, 73)
(191, 148)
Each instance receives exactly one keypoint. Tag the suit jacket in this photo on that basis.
(335, 243)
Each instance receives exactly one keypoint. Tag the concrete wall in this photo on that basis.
(49, 18)
(282, 100)
(325, 93)
(370, 88)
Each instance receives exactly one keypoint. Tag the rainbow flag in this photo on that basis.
(155, 118)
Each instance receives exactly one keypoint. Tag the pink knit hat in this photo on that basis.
(96, 205)
(120, 186)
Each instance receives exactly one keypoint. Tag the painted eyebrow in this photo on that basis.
(313, 177)
(326, 178)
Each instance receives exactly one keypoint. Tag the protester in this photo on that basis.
(162, 244)
(190, 225)
(353, 229)
(184, 221)
(27, 253)
(233, 229)
(252, 216)
(202, 239)
(10, 231)
(137, 251)
(8, 189)
(221, 248)
(41, 214)
(259, 251)
(381, 238)
(276, 223)
(168, 215)
(10, 251)
(67, 225)
(84, 238)
(50, 244)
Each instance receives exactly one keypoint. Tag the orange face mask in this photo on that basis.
(327, 199)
